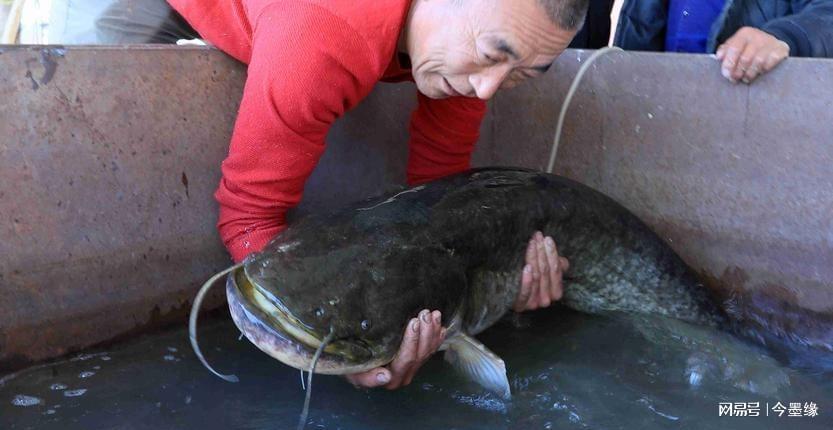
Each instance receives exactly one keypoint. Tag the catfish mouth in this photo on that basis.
(267, 323)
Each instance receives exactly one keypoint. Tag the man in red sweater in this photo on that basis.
(312, 60)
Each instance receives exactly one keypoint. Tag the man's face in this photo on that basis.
(474, 47)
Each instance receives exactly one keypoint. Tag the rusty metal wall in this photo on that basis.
(737, 178)
(109, 158)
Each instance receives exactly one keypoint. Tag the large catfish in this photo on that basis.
(353, 279)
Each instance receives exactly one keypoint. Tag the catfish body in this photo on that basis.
(457, 245)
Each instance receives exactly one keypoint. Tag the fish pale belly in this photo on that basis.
(491, 294)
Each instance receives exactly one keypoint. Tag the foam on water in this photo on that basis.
(486, 402)
(75, 393)
(25, 401)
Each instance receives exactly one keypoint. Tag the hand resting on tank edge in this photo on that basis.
(749, 54)
(541, 285)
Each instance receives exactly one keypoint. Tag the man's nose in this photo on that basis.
(487, 82)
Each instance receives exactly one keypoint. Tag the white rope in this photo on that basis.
(12, 23)
(566, 104)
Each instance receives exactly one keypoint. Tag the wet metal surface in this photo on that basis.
(109, 158)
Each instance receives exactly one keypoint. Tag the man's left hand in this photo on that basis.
(541, 282)
(749, 54)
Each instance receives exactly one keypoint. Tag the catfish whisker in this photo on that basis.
(192, 321)
(305, 412)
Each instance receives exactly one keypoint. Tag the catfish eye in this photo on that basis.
(365, 324)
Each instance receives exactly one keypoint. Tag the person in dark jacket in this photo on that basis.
(595, 33)
(749, 37)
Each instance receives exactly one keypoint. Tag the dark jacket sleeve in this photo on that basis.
(809, 32)
(641, 25)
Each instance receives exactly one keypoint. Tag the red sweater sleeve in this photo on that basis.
(307, 68)
(443, 135)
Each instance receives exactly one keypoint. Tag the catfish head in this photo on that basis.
(361, 288)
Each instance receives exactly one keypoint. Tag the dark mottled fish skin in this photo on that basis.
(617, 262)
(457, 245)
(801, 337)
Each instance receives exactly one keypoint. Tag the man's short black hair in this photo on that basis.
(567, 14)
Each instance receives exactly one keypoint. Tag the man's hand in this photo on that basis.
(541, 278)
(540, 286)
(749, 54)
(423, 336)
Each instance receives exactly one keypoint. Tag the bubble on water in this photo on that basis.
(57, 387)
(87, 356)
(169, 357)
(49, 412)
(96, 367)
(25, 401)
(106, 358)
(548, 425)
(172, 349)
(521, 383)
(574, 418)
(427, 387)
(695, 378)
(188, 400)
(75, 393)
(86, 374)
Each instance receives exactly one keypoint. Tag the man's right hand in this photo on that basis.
(541, 278)
(423, 336)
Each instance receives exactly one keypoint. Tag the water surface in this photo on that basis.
(568, 371)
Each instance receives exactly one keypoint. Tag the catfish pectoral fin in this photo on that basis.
(471, 358)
